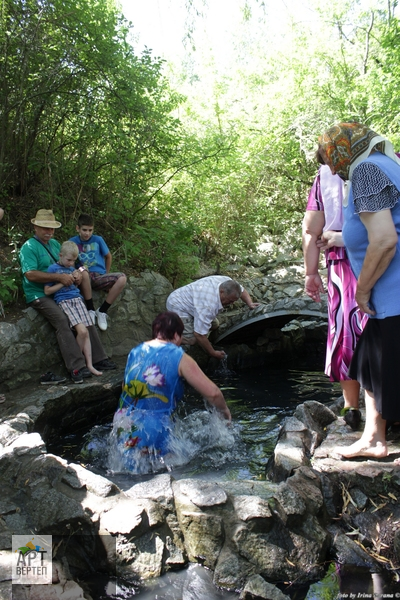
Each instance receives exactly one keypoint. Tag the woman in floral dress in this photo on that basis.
(153, 385)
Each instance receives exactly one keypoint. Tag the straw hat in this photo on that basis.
(45, 218)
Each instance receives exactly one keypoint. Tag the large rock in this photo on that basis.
(252, 534)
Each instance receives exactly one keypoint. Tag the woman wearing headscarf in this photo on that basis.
(371, 209)
(322, 230)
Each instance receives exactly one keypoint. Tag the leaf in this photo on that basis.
(379, 507)
(139, 390)
(290, 563)
(354, 532)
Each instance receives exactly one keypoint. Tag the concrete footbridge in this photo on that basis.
(244, 325)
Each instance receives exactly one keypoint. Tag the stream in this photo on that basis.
(206, 448)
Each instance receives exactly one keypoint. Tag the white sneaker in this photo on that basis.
(101, 320)
(92, 315)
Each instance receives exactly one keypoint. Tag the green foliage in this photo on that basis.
(328, 588)
(83, 117)
(86, 125)
(10, 284)
(271, 108)
(162, 246)
(10, 275)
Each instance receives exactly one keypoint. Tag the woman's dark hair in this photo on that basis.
(319, 157)
(166, 325)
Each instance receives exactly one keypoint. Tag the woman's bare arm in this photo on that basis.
(191, 371)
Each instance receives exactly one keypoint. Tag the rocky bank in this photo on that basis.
(258, 538)
(28, 345)
(253, 535)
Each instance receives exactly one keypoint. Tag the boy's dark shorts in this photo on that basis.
(104, 281)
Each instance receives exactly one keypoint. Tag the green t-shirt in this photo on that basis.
(33, 256)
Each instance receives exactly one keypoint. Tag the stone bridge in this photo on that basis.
(246, 325)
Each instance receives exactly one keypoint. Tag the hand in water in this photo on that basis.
(226, 414)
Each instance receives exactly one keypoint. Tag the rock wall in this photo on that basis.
(252, 535)
(29, 347)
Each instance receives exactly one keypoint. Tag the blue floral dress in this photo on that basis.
(152, 388)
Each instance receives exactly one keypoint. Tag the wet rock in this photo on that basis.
(176, 556)
(257, 588)
(159, 489)
(289, 506)
(203, 532)
(203, 536)
(348, 552)
(291, 450)
(240, 529)
(315, 417)
(79, 477)
(125, 517)
(145, 558)
(232, 570)
(255, 512)
(201, 493)
(307, 486)
(268, 558)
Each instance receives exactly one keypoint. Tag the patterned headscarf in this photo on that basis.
(347, 144)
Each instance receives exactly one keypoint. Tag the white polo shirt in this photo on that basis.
(199, 300)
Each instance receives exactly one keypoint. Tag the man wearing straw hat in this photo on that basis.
(36, 255)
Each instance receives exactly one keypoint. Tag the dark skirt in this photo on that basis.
(376, 364)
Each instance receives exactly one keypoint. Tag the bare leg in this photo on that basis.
(351, 393)
(86, 286)
(83, 340)
(116, 289)
(372, 443)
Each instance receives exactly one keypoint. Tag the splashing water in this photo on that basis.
(204, 445)
(222, 370)
(201, 435)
